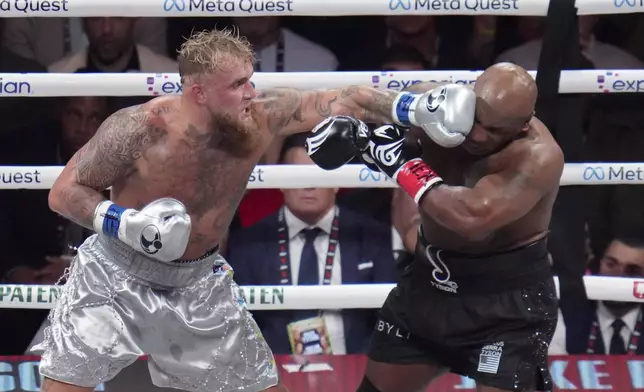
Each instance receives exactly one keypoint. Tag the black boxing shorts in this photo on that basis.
(488, 317)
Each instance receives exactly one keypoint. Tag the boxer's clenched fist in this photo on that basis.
(161, 229)
(446, 113)
(337, 140)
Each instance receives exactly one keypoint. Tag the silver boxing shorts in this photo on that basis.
(189, 317)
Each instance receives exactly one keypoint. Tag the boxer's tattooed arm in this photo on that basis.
(287, 110)
(105, 159)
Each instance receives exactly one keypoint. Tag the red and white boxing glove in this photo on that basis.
(400, 161)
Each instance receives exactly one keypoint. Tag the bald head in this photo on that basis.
(506, 93)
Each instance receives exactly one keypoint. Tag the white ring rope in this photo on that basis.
(291, 176)
(345, 296)
(147, 84)
(228, 8)
(348, 176)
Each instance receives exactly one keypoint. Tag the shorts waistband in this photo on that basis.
(491, 272)
(178, 273)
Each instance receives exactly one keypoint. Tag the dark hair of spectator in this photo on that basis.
(632, 236)
(403, 53)
(296, 140)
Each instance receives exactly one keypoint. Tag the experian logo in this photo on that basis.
(611, 81)
(161, 84)
(12, 87)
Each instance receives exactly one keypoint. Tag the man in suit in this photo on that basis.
(608, 327)
(321, 244)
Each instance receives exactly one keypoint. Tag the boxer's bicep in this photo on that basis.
(107, 157)
(509, 195)
(496, 200)
(111, 152)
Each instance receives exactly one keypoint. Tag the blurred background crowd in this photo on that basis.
(371, 224)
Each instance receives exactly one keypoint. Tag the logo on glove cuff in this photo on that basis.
(151, 240)
(435, 99)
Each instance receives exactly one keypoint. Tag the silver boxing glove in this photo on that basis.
(161, 229)
(446, 113)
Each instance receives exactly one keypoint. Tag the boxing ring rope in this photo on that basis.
(149, 84)
(351, 176)
(348, 176)
(196, 8)
(345, 296)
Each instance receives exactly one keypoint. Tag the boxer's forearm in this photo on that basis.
(76, 203)
(287, 111)
(458, 210)
(366, 103)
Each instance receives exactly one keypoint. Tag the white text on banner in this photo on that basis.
(145, 84)
(346, 296)
(348, 176)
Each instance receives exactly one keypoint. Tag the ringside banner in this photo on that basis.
(146, 84)
(343, 373)
(228, 8)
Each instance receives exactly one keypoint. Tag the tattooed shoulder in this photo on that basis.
(119, 142)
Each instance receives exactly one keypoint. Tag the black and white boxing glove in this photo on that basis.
(446, 113)
(401, 161)
(336, 141)
(161, 229)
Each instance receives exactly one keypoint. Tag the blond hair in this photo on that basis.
(211, 51)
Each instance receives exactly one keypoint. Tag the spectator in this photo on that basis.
(21, 112)
(602, 55)
(615, 134)
(112, 48)
(47, 40)
(306, 255)
(280, 50)
(422, 33)
(610, 327)
(43, 262)
(403, 58)
(38, 243)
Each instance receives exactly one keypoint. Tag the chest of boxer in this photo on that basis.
(209, 181)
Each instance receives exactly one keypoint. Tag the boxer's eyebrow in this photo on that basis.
(240, 81)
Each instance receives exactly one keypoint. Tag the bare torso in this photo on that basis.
(458, 168)
(184, 163)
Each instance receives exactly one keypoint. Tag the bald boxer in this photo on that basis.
(151, 280)
(479, 300)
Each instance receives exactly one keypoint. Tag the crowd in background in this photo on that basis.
(37, 245)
